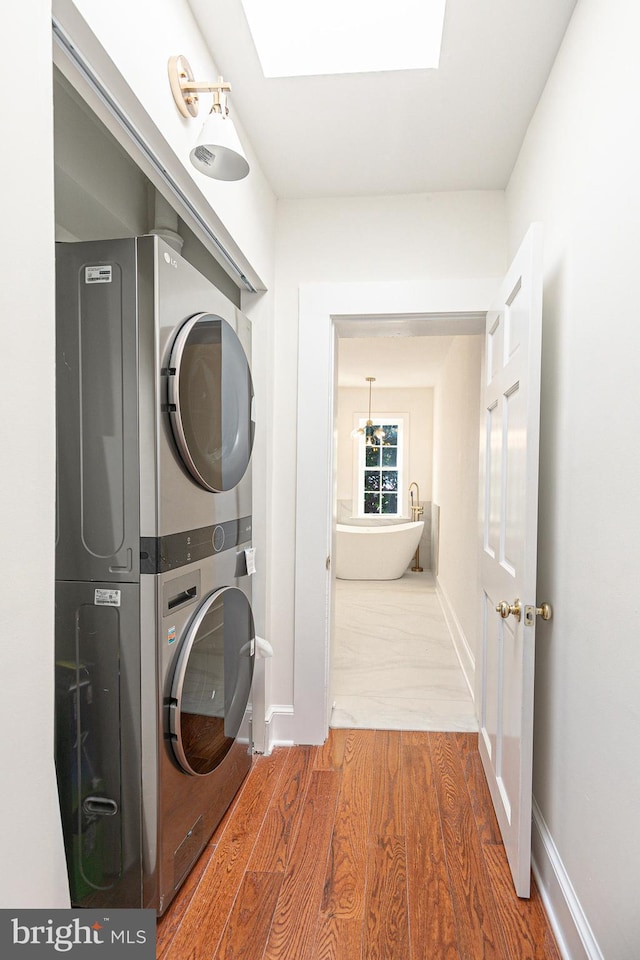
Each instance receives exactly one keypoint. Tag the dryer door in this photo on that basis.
(209, 394)
(212, 681)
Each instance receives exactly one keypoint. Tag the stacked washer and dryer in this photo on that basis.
(154, 628)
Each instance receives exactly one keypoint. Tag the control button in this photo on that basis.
(218, 538)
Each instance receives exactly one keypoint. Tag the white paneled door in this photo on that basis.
(511, 410)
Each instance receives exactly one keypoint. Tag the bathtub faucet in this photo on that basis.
(416, 509)
(416, 513)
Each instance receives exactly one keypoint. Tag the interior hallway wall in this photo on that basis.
(456, 448)
(35, 874)
(34, 871)
(578, 174)
(345, 240)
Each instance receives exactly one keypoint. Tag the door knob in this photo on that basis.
(505, 609)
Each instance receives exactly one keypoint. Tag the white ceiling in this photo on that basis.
(393, 361)
(418, 131)
(399, 350)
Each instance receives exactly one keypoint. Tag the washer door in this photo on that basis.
(209, 396)
(212, 681)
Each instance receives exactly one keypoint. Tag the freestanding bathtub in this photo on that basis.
(375, 552)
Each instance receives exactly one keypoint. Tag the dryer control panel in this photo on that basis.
(161, 554)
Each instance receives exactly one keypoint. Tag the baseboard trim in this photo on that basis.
(566, 916)
(279, 726)
(460, 643)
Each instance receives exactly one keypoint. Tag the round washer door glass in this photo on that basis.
(212, 681)
(210, 392)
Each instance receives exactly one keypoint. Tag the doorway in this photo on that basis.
(329, 311)
(401, 656)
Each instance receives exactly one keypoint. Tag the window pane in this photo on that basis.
(372, 456)
(372, 479)
(380, 465)
(371, 503)
(390, 480)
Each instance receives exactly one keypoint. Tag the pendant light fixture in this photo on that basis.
(371, 436)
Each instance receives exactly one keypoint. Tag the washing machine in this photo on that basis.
(153, 721)
(154, 633)
(205, 652)
(155, 401)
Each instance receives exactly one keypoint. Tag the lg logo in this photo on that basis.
(169, 259)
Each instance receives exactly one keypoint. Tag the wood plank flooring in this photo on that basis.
(380, 845)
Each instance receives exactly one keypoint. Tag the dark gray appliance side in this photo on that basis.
(98, 733)
(97, 592)
(98, 498)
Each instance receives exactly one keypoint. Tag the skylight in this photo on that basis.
(296, 38)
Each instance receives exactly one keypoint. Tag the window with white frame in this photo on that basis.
(380, 471)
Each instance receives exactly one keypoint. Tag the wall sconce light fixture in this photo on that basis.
(218, 152)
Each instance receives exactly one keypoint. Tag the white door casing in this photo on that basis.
(508, 549)
(323, 307)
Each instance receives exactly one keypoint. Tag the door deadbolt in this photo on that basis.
(509, 609)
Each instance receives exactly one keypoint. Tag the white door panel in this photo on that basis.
(511, 404)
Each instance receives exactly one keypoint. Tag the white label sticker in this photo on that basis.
(107, 598)
(98, 274)
(171, 635)
(250, 555)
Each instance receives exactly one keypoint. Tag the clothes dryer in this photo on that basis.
(155, 393)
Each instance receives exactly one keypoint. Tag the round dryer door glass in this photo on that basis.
(212, 681)
(210, 392)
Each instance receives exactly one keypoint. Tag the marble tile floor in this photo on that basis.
(394, 666)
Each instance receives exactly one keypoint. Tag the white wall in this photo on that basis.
(34, 872)
(140, 40)
(32, 850)
(456, 445)
(418, 403)
(353, 243)
(578, 174)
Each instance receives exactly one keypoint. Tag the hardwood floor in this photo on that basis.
(380, 845)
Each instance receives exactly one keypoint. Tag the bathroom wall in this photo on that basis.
(578, 174)
(417, 403)
(455, 492)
